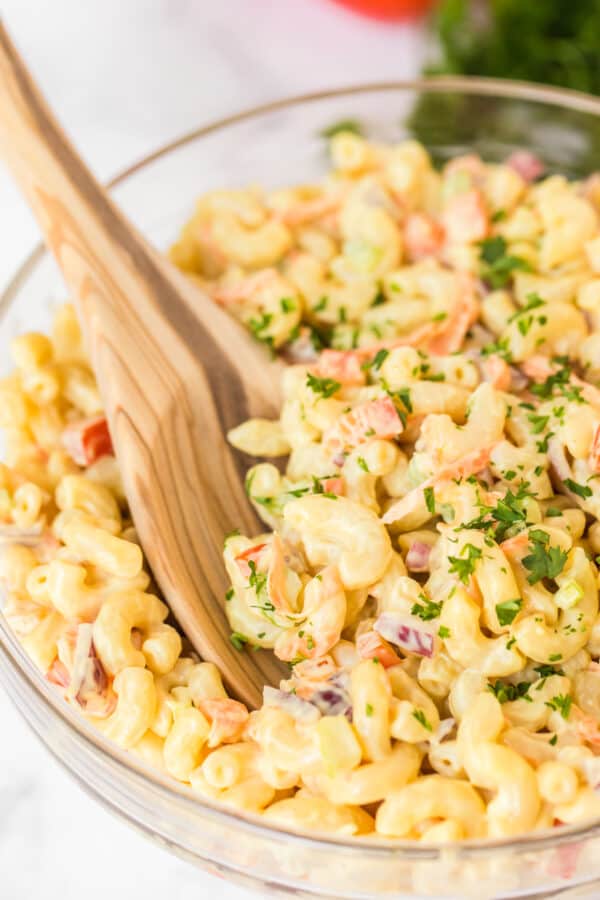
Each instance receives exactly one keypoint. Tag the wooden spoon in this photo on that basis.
(174, 370)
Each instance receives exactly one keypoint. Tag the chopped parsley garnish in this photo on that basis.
(497, 265)
(377, 361)
(403, 394)
(238, 640)
(287, 304)
(561, 703)
(429, 500)
(545, 671)
(558, 382)
(498, 216)
(498, 348)
(542, 446)
(369, 709)
(229, 595)
(256, 580)
(426, 609)
(320, 306)
(443, 632)
(525, 324)
(421, 718)
(440, 317)
(533, 302)
(327, 387)
(582, 490)
(507, 610)
(276, 503)
(362, 463)
(317, 487)
(465, 567)
(505, 692)
(259, 326)
(538, 423)
(553, 512)
(553, 740)
(543, 561)
(508, 517)
(555, 657)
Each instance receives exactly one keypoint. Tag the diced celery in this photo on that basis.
(339, 745)
(459, 182)
(414, 473)
(569, 595)
(365, 257)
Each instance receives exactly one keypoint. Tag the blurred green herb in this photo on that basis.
(552, 41)
(351, 125)
(549, 41)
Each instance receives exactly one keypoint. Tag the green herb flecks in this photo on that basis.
(238, 640)
(561, 703)
(326, 387)
(464, 565)
(421, 718)
(352, 126)
(498, 266)
(429, 500)
(426, 609)
(505, 692)
(543, 561)
(582, 490)
(507, 610)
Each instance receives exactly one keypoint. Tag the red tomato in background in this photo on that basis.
(388, 9)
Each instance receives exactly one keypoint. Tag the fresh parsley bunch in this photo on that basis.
(551, 41)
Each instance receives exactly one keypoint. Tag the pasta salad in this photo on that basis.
(429, 565)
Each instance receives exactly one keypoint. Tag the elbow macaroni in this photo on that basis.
(430, 567)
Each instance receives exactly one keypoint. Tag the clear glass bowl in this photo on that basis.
(277, 145)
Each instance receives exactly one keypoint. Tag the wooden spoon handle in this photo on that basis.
(87, 233)
(174, 370)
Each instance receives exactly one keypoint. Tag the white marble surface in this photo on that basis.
(126, 75)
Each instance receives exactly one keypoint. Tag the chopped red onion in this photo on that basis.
(333, 699)
(479, 337)
(29, 537)
(526, 164)
(417, 558)
(81, 656)
(518, 380)
(302, 350)
(299, 709)
(445, 728)
(401, 631)
(560, 469)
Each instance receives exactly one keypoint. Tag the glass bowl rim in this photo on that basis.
(23, 666)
